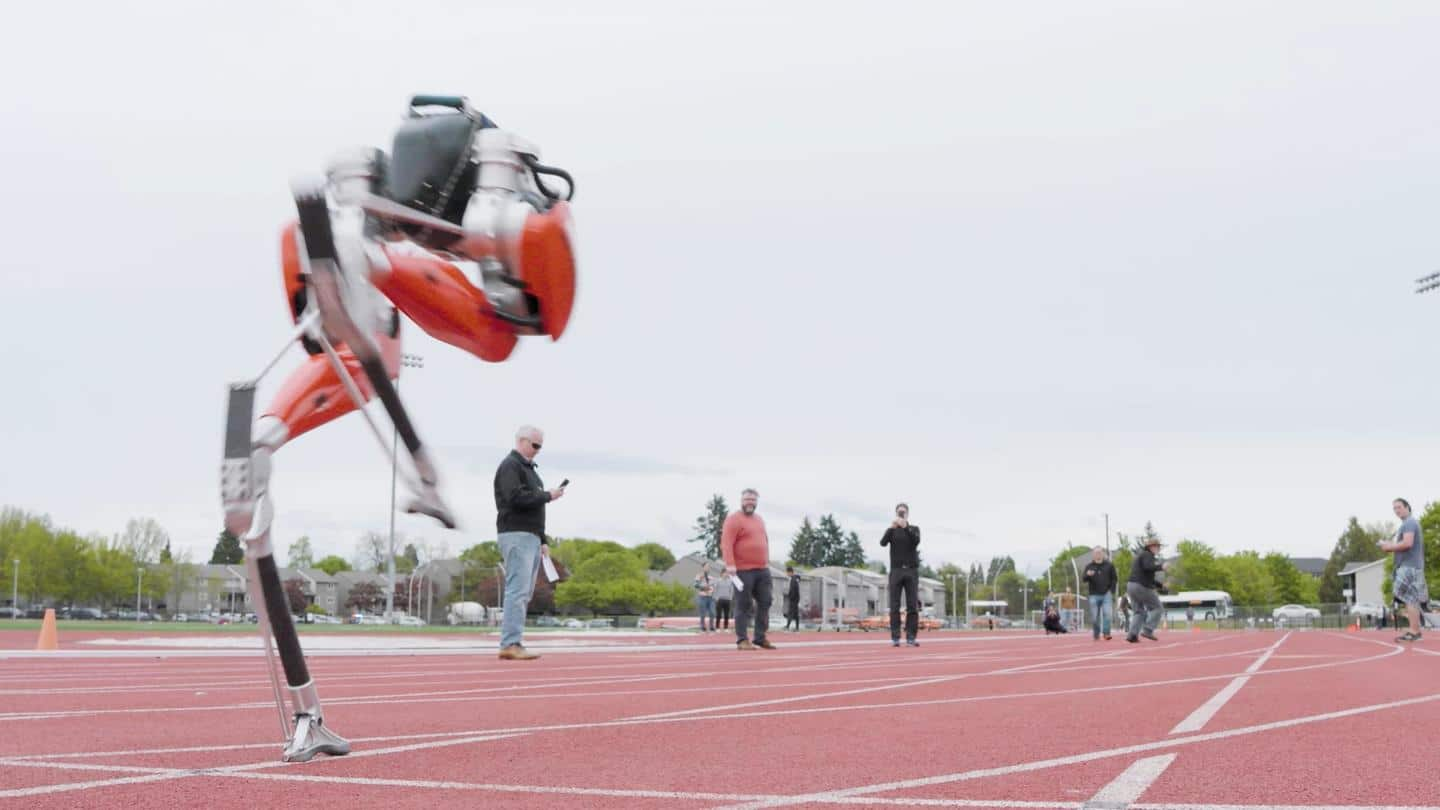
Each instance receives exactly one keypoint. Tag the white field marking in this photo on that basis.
(1091, 756)
(923, 704)
(899, 704)
(1124, 789)
(1211, 707)
(869, 689)
(486, 648)
(53, 714)
(1145, 806)
(69, 786)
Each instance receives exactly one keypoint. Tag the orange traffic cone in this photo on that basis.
(48, 640)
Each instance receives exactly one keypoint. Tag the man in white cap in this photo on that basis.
(1141, 590)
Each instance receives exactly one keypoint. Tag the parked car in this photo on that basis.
(410, 621)
(1367, 609)
(574, 624)
(321, 618)
(1295, 613)
(547, 621)
(598, 623)
(35, 613)
(83, 614)
(11, 613)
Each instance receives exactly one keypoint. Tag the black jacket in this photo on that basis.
(903, 545)
(520, 497)
(1100, 577)
(792, 593)
(1142, 570)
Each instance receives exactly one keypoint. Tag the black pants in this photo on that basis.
(755, 598)
(792, 612)
(722, 614)
(909, 580)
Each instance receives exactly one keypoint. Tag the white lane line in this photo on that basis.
(58, 714)
(42, 790)
(906, 704)
(1209, 708)
(1077, 759)
(1284, 807)
(1133, 781)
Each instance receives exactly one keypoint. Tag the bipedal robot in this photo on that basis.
(458, 229)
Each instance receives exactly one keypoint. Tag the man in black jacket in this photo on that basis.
(904, 541)
(1101, 580)
(792, 598)
(1141, 590)
(520, 499)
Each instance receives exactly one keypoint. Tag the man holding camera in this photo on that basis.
(904, 542)
(1143, 592)
(1101, 580)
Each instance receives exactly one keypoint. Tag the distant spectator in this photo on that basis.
(705, 598)
(792, 598)
(746, 547)
(1409, 583)
(724, 593)
(1101, 580)
(1052, 621)
(903, 538)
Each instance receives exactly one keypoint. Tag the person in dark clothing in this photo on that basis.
(792, 598)
(904, 542)
(520, 499)
(724, 594)
(1142, 590)
(1101, 581)
(1052, 621)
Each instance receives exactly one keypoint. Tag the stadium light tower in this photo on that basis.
(406, 361)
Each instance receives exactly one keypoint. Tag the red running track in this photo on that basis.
(1198, 720)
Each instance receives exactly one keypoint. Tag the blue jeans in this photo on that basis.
(520, 552)
(706, 605)
(1100, 610)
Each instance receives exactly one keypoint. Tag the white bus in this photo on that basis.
(1208, 605)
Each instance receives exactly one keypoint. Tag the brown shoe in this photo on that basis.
(765, 645)
(744, 644)
(515, 652)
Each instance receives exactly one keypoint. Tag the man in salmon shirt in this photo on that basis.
(746, 550)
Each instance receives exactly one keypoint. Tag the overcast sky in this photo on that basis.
(1020, 265)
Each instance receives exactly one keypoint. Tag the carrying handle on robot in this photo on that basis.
(457, 102)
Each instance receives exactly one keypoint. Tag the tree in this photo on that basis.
(295, 593)
(1248, 579)
(485, 554)
(227, 550)
(853, 554)
(804, 549)
(165, 555)
(409, 559)
(300, 555)
(366, 597)
(998, 564)
(333, 564)
(1292, 586)
(1430, 529)
(655, 556)
(710, 524)
(1198, 569)
(876, 565)
(1356, 544)
(371, 551)
(830, 539)
(143, 538)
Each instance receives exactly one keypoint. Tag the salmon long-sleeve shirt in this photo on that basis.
(744, 545)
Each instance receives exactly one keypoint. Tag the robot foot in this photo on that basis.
(429, 503)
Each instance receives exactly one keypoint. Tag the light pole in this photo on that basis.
(15, 587)
(1025, 599)
(1107, 535)
(406, 361)
(139, 573)
(410, 603)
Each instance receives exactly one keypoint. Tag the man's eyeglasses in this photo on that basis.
(535, 445)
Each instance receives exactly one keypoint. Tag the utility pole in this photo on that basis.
(1107, 535)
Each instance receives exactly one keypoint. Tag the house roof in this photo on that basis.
(1351, 568)
(1314, 566)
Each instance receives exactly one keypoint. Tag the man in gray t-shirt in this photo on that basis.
(1409, 551)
